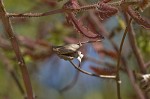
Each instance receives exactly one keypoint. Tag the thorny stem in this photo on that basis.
(119, 58)
(91, 74)
(8, 29)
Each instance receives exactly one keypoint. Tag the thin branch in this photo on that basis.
(23, 15)
(135, 49)
(9, 31)
(94, 19)
(10, 69)
(138, 91)
(91, 41)
(91, 74)
(130, 74)
(135, 86)
(136, 52)
(119, 58)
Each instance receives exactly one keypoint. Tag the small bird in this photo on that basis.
(67, 52)
(71, 51)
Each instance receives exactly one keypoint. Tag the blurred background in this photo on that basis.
(55, 78)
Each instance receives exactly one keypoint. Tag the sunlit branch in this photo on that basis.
(91, 74)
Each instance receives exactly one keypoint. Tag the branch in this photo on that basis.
(23, 15)
(82, 8)
(138, 91)
(91, 74)
(119, 58)
(97, 23)
(92, 41)
(8, 29)
(10, 69)
(135, 49)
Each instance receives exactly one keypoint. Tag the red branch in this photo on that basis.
(8, 29)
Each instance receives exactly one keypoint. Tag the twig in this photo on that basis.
(119, 58)
(135, 86)
(8, 29)
(135, 49)
(138, 91)
(91, 74)
(9, 68)
(23, 15)
(91, 41)
(106, 34)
